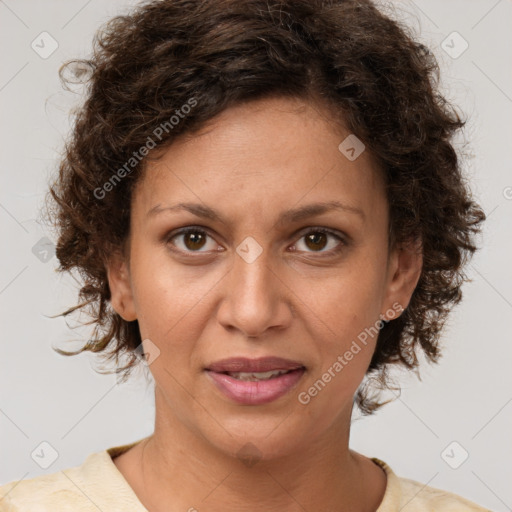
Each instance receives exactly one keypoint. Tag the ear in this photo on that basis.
(121, 295)
(404, 270)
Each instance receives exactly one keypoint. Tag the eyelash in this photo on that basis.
(197, 229)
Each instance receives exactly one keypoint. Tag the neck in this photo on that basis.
(180, 467)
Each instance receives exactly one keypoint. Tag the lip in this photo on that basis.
(245, 364)
(255, 392)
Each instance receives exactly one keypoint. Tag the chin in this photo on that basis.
(253, 439)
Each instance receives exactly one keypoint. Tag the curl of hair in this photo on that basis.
(377, 81)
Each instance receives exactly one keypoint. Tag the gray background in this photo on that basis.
(46, 397)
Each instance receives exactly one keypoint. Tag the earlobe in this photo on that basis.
(404, 271)
(120, 288)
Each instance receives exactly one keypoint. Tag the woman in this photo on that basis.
(267, 210)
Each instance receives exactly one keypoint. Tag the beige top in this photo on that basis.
(97, 484)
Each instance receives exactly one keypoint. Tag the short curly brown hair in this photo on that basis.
(213, 54)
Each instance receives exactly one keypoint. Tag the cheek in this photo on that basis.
(343, 313)
(343, 304)
(163, 295)
(344, 332)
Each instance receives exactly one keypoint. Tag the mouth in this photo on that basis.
(255, 381)
(256, 376)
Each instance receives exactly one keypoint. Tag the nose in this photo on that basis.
(255, 298)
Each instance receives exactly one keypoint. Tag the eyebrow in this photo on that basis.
(293, 215)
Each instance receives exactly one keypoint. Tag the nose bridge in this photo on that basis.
(252, 302)
(250, 276)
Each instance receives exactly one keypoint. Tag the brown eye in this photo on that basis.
(321, 241)
(316, 240)
(192, 240)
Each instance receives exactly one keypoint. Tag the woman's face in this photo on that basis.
(270, 268)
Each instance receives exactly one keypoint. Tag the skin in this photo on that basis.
(297, 300)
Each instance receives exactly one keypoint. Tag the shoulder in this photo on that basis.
(95, 484)
(43, 493)
(403, 493)
(431, 498)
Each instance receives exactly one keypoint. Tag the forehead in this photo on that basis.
(263, 153)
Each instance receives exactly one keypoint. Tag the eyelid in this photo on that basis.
(322, 229)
